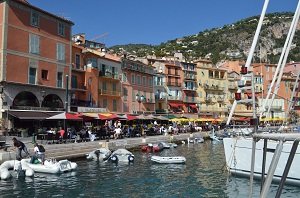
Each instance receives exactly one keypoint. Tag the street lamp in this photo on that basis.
(139, 99)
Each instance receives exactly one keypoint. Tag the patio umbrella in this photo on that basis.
(107, 116)
(161, 118)
(141, 117)
(126, 117)
(65, 116)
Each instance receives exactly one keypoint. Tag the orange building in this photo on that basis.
(137, 85)
(35, 58)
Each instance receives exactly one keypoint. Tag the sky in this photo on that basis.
(117, 22)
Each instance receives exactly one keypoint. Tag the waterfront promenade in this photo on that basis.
(79, 150)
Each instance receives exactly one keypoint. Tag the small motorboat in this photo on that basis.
(168, 160)
(122, 155)
(195, 140)
(17, 166)
(101, 154)
(152, 147)
(52, 166)
(165, 145)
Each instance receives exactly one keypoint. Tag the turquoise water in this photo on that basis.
(203, 175)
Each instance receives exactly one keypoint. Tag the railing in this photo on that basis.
(213, 109)
(213, 87)
(79, 87)
(80, 103)
(37, 108)
(276, 108)
(176, 84)
(109, 75)
(109, 92)
(190, 76)
(189, 88)
(78, 68)
(174, 98)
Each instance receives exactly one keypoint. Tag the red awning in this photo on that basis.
(193, 106)
(174, 105)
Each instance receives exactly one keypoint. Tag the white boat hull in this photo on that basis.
(15, 165)
(53, 167)
(168, 160)
(238, 152)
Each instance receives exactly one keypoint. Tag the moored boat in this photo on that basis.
(122, 155)
(16, 166)
(238, 151)
(168, 160)
(101, 154)
(52, 166)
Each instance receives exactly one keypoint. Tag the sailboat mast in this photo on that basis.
(251, 52)
(281, 62)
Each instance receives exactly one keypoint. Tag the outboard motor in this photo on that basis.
(114, 159)
(130, 158)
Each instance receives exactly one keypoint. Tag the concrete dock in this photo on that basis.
(79, 150)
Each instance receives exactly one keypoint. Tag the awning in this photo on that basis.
(175, 105)
(32, 115)
(193, 106)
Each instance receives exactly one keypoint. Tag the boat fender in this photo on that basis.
(114, 158)
(130, 158)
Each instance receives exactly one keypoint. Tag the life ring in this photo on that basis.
(130, 158)
(114, 158)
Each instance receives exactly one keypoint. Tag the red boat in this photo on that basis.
(152, 147)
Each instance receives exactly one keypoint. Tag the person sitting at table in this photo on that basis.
(51, 131)
(61, 134)
(118, 131)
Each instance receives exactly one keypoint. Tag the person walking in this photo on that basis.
(20, 146)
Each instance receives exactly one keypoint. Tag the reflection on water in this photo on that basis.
(203, 175)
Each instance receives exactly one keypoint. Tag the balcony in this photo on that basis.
(213, 87)
(78, 88)
(158, 97)
(175, 84)
(190, 77)
(158, 84)
(232, 87)
(189, 88)
(174, 98)
(77, 68)
(104, 92)
(213, 109)
(110, 75)
(274, 108)
(176, 74)
(189, 69)
(190, 100)
(208, 99)
(221, 99)
(80, 103)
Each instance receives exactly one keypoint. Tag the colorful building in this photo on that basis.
(35, 59)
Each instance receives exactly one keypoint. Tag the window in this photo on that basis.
(138, 80)
(92, 62)
(114, 87)
(144, 81)
(151, 82)
(124, 77)
(34, 44)
(114, 105)
(45, 74)
(32, 75)
(34, 19)
(77, 61)
(74, 82)
(132, 79)
(61, 29)
(59, 82)
(125, 94)
(104, 86)
(104, 103)
(60, 52)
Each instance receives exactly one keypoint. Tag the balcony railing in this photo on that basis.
(78, 87)
(275, 108)
(190, 77)
(189, 88)
(213, 109)
(80, 103)
(109, 75)
(176, 84)
(221, 99)
(174, 98)
(109, 92)
(213, 87)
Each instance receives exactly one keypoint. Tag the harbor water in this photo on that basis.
(203, 175)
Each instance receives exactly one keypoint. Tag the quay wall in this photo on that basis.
(79, 150)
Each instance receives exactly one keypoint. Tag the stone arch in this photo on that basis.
(52, 101)
(25, 98)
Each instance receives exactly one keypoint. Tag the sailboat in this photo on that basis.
(270, 157)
